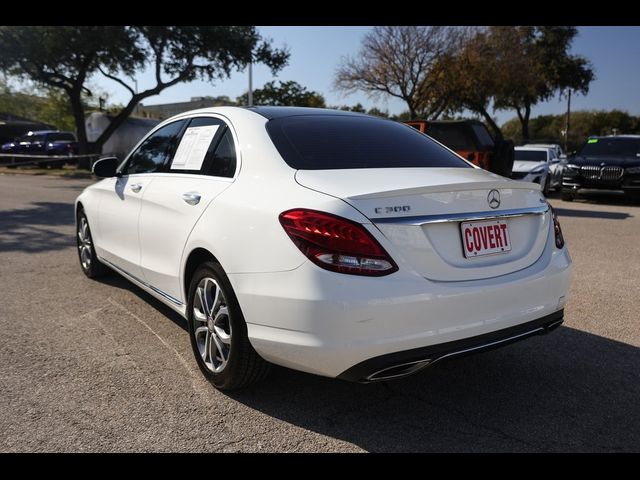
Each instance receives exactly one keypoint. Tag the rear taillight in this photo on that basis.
(336, 244)
(557, 230)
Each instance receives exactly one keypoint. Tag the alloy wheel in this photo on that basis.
(212, 326)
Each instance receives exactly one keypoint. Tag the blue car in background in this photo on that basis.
(44, 142)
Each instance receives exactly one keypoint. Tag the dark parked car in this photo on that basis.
(44, 142)
(608, 163)
(471, 140)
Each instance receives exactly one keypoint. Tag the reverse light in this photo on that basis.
(557, 230)
(337, 244)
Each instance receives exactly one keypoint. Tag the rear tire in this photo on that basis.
(89, 263)
(547, 186)
(218, 332)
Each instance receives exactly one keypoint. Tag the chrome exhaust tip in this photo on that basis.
(398, 371)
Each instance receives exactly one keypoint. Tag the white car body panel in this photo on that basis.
(300, 315)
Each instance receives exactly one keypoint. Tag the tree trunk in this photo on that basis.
(525, 123)
(493, 125)
(75, 98)
(116, 122)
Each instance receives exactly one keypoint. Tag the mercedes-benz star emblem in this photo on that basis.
(493, 199)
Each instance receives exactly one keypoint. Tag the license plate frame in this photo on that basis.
(483, 234)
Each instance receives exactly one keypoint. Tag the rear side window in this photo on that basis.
(320, 142)
(206, 148)
(456, 137)
(483, 136)
(224, 157)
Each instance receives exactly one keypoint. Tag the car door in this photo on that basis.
(120, 199)
(202, 167)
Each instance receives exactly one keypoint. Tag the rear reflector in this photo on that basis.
(337, 244)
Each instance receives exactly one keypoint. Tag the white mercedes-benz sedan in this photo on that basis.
(325, 241)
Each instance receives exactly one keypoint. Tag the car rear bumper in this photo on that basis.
(320, 322)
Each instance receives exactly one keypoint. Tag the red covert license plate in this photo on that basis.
(485, 238)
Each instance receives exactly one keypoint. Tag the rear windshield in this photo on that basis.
(530, 156)
(320, 142)
(456, 137)
(624, 147)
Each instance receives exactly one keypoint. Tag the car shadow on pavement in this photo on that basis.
(566, 391)
(41, 227)
(570, 212)
(115, 280)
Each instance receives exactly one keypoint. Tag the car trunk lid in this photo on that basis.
(420, 210)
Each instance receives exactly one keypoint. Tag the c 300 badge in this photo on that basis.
(395, 209)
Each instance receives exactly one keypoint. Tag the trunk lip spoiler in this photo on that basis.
(463, 217)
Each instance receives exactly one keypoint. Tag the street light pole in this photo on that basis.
(568, 123)
(250, 95)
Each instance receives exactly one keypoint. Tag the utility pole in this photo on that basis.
(250, 95)
(568, 123)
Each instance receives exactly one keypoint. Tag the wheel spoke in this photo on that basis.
(208, 304)
(205, 351)
(198, 315)
(200, 330)
(222, 335)
(224, 353)
(212, 350)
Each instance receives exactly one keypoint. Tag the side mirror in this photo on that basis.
(555, 160)
(106, 167)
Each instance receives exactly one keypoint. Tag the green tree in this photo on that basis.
(536, 65)
(402, 62)
(65, 57)
(583, 124)
(289, 93)
(46, 105)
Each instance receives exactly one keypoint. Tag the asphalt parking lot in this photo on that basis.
(102, 366)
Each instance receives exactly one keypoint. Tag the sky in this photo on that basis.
(316, 52)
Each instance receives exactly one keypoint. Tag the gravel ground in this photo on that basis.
(102, 366)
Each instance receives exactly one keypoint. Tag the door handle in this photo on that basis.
(136, 187)
(192, 198)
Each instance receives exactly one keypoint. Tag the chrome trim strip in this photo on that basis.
(464, 217)
(142, 282)
(490, 344)
(430, 361)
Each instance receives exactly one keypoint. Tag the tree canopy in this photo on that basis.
(65, 58)
(583, 123)
(402, 62)
(286, 93)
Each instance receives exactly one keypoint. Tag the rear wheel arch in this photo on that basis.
(196, 257)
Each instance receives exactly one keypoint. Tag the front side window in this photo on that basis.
(318, 142)
(61, 136)
(151, 155)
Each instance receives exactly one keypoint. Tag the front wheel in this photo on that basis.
(568, 196)
(91, 266)
(218, 332)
